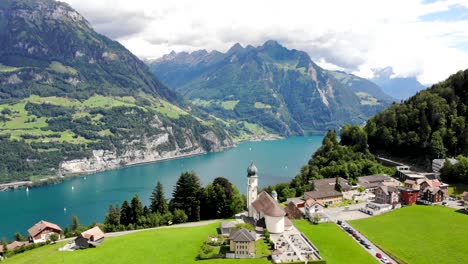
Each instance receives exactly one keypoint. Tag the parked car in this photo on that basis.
(368, 246)
(384, 260)
(339, 222)
(378, 255)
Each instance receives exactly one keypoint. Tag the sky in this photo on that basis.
(417, 38)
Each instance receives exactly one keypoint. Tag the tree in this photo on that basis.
(54, 237)
(126, 214)
(158, 200)
(112, 220)
(187, 195)
(316, 218)
(4, 245)
(179, 216)
(337, 184)
(74, 223)
(437, 146)
(360, 189)
(312, 186)
(19, 237)
(137, 208)
(354, 136)
(222, 199)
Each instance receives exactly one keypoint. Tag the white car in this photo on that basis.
(384, 259)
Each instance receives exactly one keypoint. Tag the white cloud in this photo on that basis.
(353, 35)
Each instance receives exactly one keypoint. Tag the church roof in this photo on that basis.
(242, 235)
(268, 206)
(252, 170)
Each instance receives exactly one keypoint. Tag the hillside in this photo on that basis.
(281, 90)
(399, 88)
(72, 100)
(431, 124)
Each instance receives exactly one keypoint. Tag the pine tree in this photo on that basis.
(158, 200)
(19, 237)
(187, 195)
(337, 184)
(112, 220)
(137, 209)
(75, 223)
(126, 214)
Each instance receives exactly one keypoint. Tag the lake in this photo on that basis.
(89, 197)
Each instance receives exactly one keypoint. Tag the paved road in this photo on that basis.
(191, 224)
(374, 250)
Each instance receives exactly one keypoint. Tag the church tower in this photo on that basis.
(252, 185)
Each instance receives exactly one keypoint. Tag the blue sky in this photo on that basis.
(420, 38)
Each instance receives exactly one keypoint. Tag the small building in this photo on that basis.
(226, 227)
(371, 182)
(42, 231)
(90, 238)
(298, 201)
(292, 212)
(387, 195)
(324, 191)
(409, 196)
(242, 243)
(375, 208)
(14, 245)
(432, 195)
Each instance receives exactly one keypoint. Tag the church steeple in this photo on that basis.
(252, 187)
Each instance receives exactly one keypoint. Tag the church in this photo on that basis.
(264, 208)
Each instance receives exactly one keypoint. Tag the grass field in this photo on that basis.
(335, 246)
(420, 234)
(175, 245)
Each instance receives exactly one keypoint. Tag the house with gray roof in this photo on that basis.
(242, 243)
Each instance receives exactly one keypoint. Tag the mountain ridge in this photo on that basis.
(268, 81)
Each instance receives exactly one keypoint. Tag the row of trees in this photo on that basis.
(455, 173)
(190, 202)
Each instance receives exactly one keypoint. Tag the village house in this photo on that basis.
(432, 195)
(242, 244)
(324, 191)
(408, 196)
(387, 195)
(434, 184)
(314, 208)
(371, 182)
(90, 238)
(42, 231)
(14, 245)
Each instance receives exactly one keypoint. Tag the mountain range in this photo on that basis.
(73, 101)
(278, 89)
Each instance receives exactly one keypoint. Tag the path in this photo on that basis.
(191, 224)
(374, 249)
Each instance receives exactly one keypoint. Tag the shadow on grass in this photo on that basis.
(462, 211)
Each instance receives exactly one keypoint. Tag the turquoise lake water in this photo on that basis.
(89, 197)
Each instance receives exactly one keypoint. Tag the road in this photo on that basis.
(374, 250)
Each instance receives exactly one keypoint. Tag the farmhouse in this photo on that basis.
(387, 195)
(324, 191)
(242, 243)
(42, 231)
(432, 195)
(90, 238)
(434, 184)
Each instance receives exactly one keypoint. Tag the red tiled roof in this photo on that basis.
(15, 244)
(309, 202)
(40, 226)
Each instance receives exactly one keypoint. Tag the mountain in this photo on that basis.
(398, 88)
(280, 90)
(72, 100)
(431, 124)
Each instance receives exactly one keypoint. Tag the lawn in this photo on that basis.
(419, 234)
(335, 245)
(174, 245)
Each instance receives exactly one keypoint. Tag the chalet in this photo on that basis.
(324, 191)
(292, 212)
(42, 231)
(433, 184)
(89, 238)
(432, 195)
(387, 195)
(408, 196)
(242, 243)
(313, 208)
